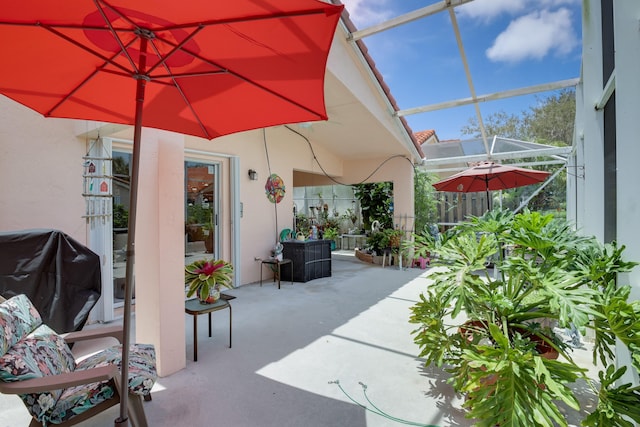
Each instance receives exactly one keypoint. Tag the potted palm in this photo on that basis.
(205, 277)
(492, 328)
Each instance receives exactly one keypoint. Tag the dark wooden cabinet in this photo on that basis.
(311, 260)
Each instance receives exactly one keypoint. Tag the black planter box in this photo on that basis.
(311, 260)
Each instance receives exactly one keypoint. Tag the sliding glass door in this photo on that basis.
(201, 211)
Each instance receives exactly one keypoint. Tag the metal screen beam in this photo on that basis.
(408, 17)
(491, 97)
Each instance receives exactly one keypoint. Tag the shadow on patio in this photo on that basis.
(288, 345)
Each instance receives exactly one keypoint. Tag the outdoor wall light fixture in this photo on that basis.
(253, 175)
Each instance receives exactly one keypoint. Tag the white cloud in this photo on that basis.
(364, 13)
(556, 3)
(486, 10)
(534, 36)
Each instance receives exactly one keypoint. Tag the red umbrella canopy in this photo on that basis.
(490, 176)
(197, 67)
(211, 68)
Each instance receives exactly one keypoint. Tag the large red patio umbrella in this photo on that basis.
(197, 67)
(489, 176)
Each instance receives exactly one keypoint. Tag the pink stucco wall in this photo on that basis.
(41, 186)
(40, 172)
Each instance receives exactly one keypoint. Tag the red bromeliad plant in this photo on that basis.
(205, 277)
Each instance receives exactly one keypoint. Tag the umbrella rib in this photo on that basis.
(86, 80)
(258, 17)
(176, 48)
(180, 75)
(115, 34)
(85, 48)
(190, 107)
(175, 83)
(237, 75)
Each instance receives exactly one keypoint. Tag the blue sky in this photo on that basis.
(509, 44)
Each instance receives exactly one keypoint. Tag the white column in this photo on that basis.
(627, 44)
(159, 271)
(590, 190)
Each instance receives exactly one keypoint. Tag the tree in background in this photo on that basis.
(375, 203)
(425, 203)
(500, 123)
(551, 122)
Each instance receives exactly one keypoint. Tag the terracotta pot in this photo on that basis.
(470, 327)
(542, 347)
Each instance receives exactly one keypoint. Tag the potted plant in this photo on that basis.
(352, 217)
(331, 233)
(491, 331)
(302, 223)
(391, 238)
(374, 244)
(419, 246)
(205, 277)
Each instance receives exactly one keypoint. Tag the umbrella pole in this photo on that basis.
(486, 181)
(141, 83)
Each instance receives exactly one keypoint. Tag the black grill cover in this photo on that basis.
(59, 275)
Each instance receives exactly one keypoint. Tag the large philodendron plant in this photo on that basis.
(488, 327)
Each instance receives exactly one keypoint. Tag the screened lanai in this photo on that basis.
(444, 156)
(447, 157)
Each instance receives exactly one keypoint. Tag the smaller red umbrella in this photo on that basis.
(489, 176)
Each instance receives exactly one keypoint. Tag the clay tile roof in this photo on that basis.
(423, 135)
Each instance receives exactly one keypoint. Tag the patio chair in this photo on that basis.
(37, 364)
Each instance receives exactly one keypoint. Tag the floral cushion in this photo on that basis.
(42, 353)
(29, 349)
(75, 400)
(142, 365)
(18, 318)
(142, 377)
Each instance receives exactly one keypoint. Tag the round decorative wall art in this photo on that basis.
(274, 188)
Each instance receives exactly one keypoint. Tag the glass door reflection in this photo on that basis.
(200, 211)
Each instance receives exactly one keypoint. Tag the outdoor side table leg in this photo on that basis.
(261, 267)
(229, 325)
(209, 324)
(195, 337)
(278, 275)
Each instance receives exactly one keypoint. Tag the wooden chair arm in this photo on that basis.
(61, 381)
(90, 334)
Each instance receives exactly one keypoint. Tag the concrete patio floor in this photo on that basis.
(289, 345)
